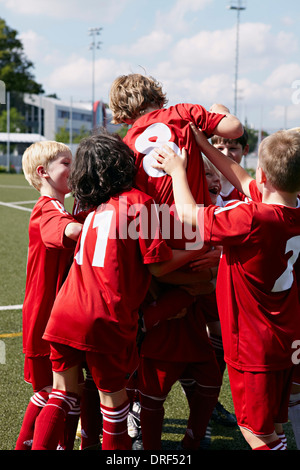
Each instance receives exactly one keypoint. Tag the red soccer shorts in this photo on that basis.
(110, 372)
(38, 372)
(156, 378)
(260, 398)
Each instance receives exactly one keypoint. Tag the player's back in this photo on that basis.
(170, 126)
(260, 308)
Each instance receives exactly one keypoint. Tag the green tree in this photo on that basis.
(253, 135)
(15, 68)
(17, 121)
(78, 136)
(63, 134)
(252, 138)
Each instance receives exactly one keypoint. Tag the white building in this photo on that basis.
(46, 116)
(43, 119)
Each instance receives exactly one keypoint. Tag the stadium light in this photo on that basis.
(238, 6)
(93, 46)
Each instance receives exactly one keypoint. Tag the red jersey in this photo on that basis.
(171, 126)
(256, 288)
(97, 307)
(50, 255)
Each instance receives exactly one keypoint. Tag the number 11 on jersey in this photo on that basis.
(102, 223)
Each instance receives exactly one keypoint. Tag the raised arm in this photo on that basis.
(232, 171)
(230, 126)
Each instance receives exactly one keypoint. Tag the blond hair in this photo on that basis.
(279, 157)
(131, 94)
(40, 153)
(208, 165)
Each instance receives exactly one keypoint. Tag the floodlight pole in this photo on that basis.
(93, 46)
(238, 8)
(8, 132)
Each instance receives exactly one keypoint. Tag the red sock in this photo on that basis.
(274, 445)
(50, 424)
(91, 418)
(37, 402)
(152, 417)
(115, 435)
(71, 425)
(217, 344)
(202, 401)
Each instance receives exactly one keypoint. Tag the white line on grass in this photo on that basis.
(11, 307)
(8, 186)
(24, 202)
(13, 206)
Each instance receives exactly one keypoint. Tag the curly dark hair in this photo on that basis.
(103, 167)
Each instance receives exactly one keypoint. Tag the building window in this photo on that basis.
(76, 116)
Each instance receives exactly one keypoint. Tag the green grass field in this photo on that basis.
(16, 201)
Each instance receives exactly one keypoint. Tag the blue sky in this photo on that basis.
(188, 45)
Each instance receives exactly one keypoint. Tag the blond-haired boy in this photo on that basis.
(52, 239)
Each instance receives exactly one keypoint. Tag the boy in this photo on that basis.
(95, 315)
(234, 149)
(247, 186)
(139, 101)
(52, 237)
(256, 291)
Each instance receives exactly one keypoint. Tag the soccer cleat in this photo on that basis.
(223, 417)
(137, 442)
(133, 420)
(206, 440)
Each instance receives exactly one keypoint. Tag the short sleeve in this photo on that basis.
(229, 225)
(54, 220)
(202, 118)
(255, 194)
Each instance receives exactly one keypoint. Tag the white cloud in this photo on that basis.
(205, 50)
(76, 75)
(283, 76)
(34, 45)
(288, 20)
(259, 49)
(153, 43)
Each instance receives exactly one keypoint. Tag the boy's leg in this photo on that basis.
(71, 424)
(38, 372)
(155, 381)
(111, 373)
(114, 409)
(270, 442)
(50, 424)
(91, 418)
(54, 425)
(294, 412)
(152, 417)
(202, 399)
(35, 405)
